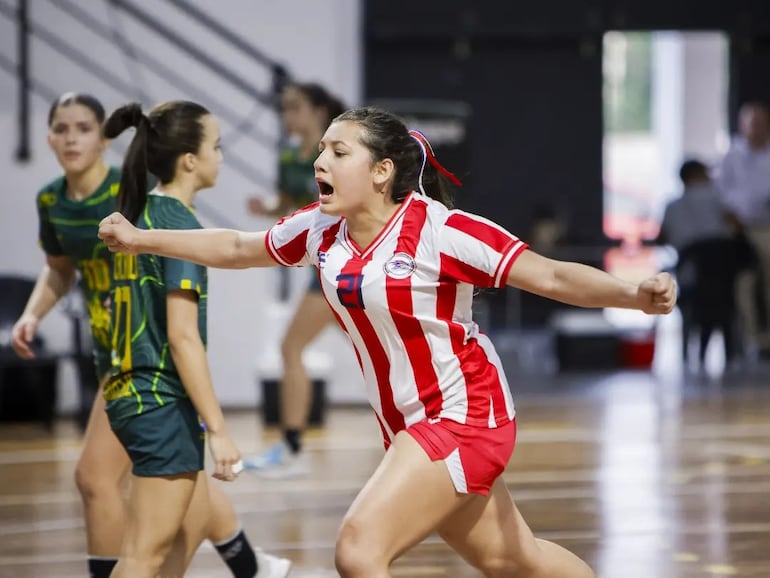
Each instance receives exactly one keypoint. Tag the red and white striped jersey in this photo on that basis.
(405, 302)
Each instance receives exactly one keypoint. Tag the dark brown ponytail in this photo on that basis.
(133, 181)
(171, 130)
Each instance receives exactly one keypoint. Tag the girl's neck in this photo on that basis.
(83, 185)
(365, 225)
(180, 191)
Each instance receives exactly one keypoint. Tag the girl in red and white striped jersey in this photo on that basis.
(398, 268)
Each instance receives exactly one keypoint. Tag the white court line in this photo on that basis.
(573, 535)
(740, 450)
(39, 456)
(698, 432)
(295, 573)
(737, 430)
(41, 526)
(249, 485)
(747, 488)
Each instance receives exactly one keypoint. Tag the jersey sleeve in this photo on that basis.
(288, 241)
(46, 230)
(183, 275)
(177, 274)
(476, 250)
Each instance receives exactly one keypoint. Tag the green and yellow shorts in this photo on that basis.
(165, 441)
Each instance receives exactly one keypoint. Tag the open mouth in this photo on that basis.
(325, 190)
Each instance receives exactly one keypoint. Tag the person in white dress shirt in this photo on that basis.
(744, 180)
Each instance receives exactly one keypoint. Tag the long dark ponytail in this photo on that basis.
(169, 131)
(133, 180)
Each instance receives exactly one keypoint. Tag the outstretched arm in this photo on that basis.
(220, 248)
(585, 286)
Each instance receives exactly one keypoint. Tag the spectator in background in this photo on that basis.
(698, 214)
(744, 180)
(694, 219)
(307, 110)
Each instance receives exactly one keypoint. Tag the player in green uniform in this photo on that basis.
(70, 208)
(160, 380)
(307, 110)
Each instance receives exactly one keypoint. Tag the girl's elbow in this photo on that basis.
(548, 284)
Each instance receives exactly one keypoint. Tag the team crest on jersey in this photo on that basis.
(399, 266)
(47, 200)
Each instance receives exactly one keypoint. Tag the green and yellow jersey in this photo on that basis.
(144, 376)
(296, 177)
(68, 228)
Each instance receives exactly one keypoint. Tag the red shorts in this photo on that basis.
(475, 456)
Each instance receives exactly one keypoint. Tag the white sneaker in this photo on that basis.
(292, 466)
(269, 566)
(275, 455)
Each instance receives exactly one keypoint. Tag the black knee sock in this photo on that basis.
(101, 567)
(238, 555)
(293, 438)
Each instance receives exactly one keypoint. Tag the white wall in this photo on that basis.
(317, 41)
(690, 100)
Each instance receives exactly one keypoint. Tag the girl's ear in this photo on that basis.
(382, 173)
(188, 162)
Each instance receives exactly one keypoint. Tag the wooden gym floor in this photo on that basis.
(643, 477)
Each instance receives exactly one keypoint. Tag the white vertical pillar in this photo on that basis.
(668, 88)
(704, 105)
(689, 88)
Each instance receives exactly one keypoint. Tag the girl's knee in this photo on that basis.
(93, 482)
(526, 564)
(291, 349)
(355, 554)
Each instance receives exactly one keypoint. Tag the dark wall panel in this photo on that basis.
(432, 18)
(536, 120)
(726, 15)
(749, 71)
(531, 76)
(538, 134)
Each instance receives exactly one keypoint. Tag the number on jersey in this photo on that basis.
(121, 301)
(96, 273)
(349, 290)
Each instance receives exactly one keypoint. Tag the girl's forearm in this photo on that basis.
(219, 248)
(192, 364)
(585, 286)
(52, 284)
